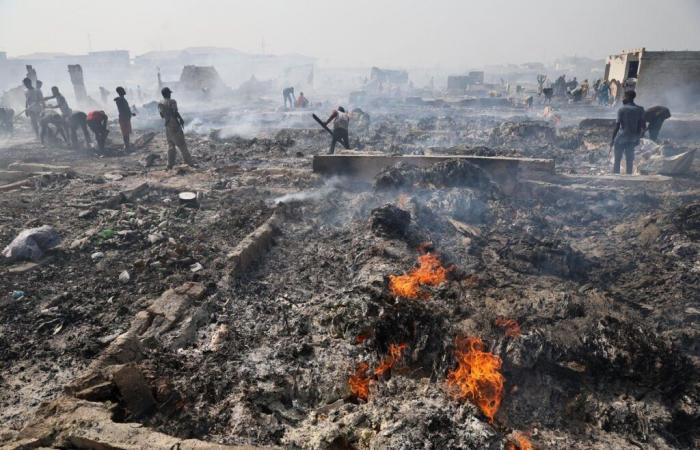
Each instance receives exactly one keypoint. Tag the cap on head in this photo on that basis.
(341, 109)
(121, 91)
(166, 91)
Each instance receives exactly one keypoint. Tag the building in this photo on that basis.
(670, 78)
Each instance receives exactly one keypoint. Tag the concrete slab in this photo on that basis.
(367, 165)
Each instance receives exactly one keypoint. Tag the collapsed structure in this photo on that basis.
(670, 78)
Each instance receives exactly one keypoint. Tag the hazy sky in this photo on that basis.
(391, 33)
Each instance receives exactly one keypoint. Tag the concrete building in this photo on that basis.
(662, 78)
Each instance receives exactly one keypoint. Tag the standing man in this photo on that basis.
(288, 95)
(173, 129)
(33, 103)
(97, 122)
(61, 102)
(655, 118)
(630, 125)
(125, 115)
(340, 128)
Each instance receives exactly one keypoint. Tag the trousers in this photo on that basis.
(339, 135)
(176, 139)
(626, 149)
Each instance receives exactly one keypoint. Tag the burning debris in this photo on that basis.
(520, 442)
(430, 272)
(509, 326)
(359, 381)
(478, 376)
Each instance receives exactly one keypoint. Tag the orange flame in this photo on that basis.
(430, 272)
(478, 376)
(359, 381)
(511, 327)
(521, 443)
(394, 355)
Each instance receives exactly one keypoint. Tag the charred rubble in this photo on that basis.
(426, 307)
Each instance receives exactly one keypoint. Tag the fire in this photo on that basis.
(402, 201)
(521, 443)
(359, 381)
(511, 327)
(394, 355)
(477, 377)
(430, 272)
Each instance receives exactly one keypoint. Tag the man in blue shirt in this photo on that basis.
(628, 130)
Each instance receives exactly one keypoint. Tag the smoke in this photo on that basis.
(331, 185)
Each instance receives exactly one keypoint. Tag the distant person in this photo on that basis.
(104, 95)
(174, 132)
(547, 90)
(603, 94)
(61, 102)
(628, 130)
(288, 96)
(125, 115)
(97, 122)
(585, 87)
(341, 122)
(49, 118)
(78, 121)
(33, 104)
(655, 118)
(302, 102)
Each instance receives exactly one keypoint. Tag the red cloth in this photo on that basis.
(125, 125)
(97, 116)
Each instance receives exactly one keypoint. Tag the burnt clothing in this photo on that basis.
(123, 107)
(626, 149)
(630, 117)
(339, 135)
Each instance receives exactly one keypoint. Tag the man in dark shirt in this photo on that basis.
(125, 115)
(628, 130)
(76, 121)
(655, 118)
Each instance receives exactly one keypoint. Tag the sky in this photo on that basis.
(357, 33)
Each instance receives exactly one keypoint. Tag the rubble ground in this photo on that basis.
(239, 318)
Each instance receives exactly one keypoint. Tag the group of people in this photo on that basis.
(298, 102)
(573, 90)
(66, 123)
